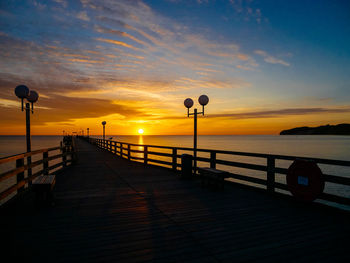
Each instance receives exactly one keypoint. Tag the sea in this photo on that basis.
(310, 146)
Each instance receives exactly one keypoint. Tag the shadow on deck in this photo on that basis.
(110, 209)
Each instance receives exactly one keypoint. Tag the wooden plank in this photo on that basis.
(259, 155)
(160, 154)
(248, 179)
(243, 165)
(109, 209)
(12, 189)
(14, 172)
(159, 161)
(337, 179)
(24, 155)
(56, 166)
(53, 157)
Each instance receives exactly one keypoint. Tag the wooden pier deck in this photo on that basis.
(109, 209)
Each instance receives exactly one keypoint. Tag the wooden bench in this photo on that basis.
(211, 176)
(43, 186)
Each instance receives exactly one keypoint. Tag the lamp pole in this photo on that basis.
(28, 137)
(203, 100)
(31, 96)
(87, 131)
(104, 124)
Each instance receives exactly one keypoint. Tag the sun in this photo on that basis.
(140, 131)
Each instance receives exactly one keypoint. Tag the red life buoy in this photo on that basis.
(305, 180)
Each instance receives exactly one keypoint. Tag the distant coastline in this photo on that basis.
(340, 129)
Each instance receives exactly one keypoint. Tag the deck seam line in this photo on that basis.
(211, 254)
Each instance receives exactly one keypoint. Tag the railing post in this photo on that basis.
(45, 163)
(174, 159)
(213, 160)
(64, 156)
(270, 174)
(20, 176)
(129, 152)
(145, 154)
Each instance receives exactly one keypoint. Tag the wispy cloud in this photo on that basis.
(116, 42)
(271, 59)
(278, 113)
(83, 16)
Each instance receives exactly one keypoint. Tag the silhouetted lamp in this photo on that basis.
(203, 100)
(23, 92)
(32, 97)
(104, 124)
(188, 104)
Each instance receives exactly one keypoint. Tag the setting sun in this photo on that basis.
(140, 131)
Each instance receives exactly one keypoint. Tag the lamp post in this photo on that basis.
(104, 124)
(32, 96)
(87, 131)
(203, 100)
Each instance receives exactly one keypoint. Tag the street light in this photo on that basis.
(203, 100)
(104, 124)
(88, 129)
(23, 92)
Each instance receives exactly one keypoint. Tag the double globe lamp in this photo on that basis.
(203, 100)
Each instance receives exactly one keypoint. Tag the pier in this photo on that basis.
(110, 209)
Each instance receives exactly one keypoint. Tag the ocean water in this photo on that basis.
(323, 146)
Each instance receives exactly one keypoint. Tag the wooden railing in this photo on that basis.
(66, 153)
(270, 169)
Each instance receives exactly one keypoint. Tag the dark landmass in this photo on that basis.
(340, 129)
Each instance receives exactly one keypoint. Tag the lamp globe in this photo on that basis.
(188, 103)
(33, 96)
(203, 100)
(22, 91)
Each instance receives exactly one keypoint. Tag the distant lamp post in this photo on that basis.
(23, 92)
(203, 100)
(104, 124)
(87, 132)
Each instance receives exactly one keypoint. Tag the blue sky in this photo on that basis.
(282, 63)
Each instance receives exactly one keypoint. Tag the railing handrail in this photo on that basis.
(248, 154)
(26, 154)
(118, 148)
(21, 167)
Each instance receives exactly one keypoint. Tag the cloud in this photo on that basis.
(116, 42)
(64, 3)
(270, 59)
(281, 113)
(273, 113)
(119, 33)
(83, 16)
(244, 10)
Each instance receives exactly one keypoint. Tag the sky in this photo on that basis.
(265, 65)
